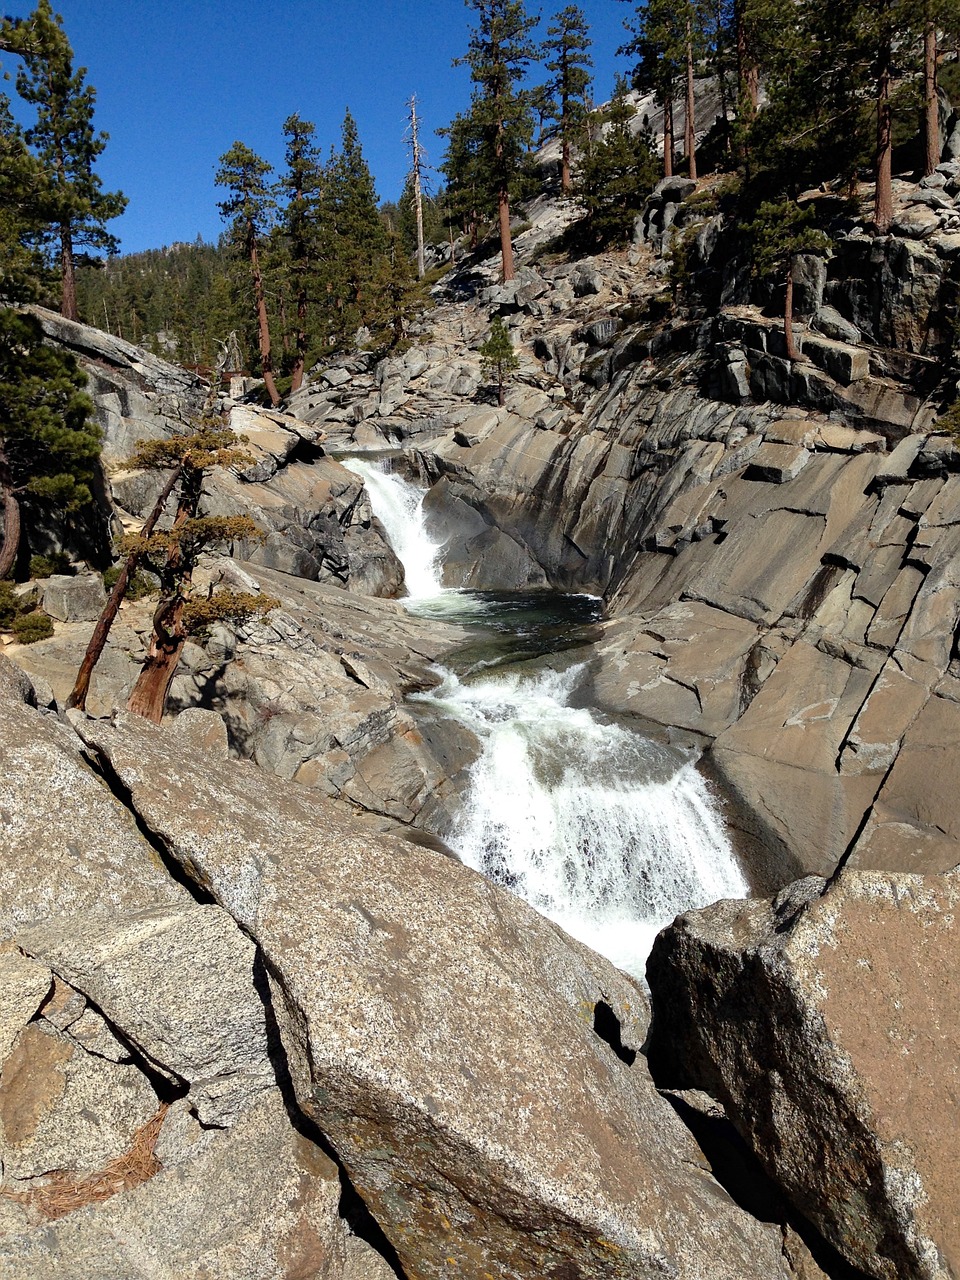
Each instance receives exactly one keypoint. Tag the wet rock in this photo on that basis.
(826, 1024)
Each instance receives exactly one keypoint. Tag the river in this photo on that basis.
(605, 831)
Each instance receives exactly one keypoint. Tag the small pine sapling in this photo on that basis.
(779, 234)
(498, 358)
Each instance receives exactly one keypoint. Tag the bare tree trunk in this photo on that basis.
(11, 518)
(98, 641)
(722, 74)
(566, 183)
(263, 324)
(300, 341)
(149, 694)
(792, 352)
(506, 242)
(668, 133)
(417, 185)
(691, 124)
(68, 299)
(931, 105)
(883, 169)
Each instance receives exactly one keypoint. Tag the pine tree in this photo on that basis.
(357, 237)
(618, 172)
(400, 297)
(659, 47)
(250, 209)
(49, 445)
(301, 182)
(172, 555)
(466, 197)
(566, 56)
(64, 139)
(498, 358)
(499, 52)
(24, 203)
(779, 234)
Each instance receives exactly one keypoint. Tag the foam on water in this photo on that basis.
(602, 830)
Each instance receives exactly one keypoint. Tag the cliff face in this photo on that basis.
(776, 542)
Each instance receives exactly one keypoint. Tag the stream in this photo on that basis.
(608, 833)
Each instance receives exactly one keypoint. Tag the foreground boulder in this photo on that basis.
(827, 1024)
(473, 1068)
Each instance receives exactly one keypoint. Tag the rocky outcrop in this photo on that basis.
(316, 516)
(825, 1022)
(370, 1028)
(313, 693)
(177, 1066)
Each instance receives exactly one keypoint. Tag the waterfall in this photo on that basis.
(605, 832)
(398, 505)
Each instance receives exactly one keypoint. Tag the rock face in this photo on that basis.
(143, 1134)
(315, 514)
(419, 1006)
(826, 1023)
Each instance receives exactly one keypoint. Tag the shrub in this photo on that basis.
(47, 566)
(9, 605)
(31, 627)
(138, 587)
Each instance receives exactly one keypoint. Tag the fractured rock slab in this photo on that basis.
(826, 1023)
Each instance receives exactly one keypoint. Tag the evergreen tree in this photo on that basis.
(49, 445)
(24, 200)
(173, 555)
(250, 208)
(357, 236)
(659, 47)
(399, 296)
(619, 171)
(778, 235)
(499, 52)
(301, 182)
(64, 140)
(498, 358)
(566, 55)
(466, 198)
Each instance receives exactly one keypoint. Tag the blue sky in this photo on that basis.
(178, 81)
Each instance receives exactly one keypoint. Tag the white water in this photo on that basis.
(398, 505)
(605, 832)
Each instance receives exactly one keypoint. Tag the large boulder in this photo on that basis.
(826, 1024)
(475, 1070)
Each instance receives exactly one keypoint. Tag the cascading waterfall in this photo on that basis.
(604, 831)
(398, 505)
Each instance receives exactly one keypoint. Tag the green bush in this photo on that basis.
(31, 627)
(138, 587)
(47, 566)
(9, 605)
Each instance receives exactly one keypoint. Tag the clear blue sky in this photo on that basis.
(178, 81)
